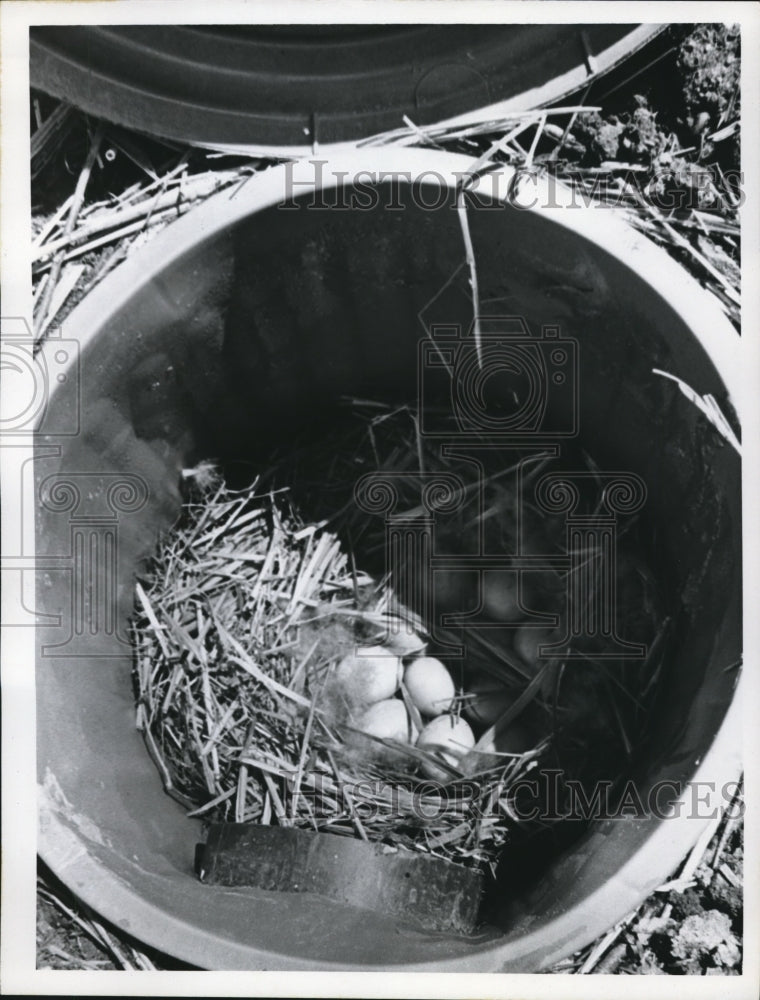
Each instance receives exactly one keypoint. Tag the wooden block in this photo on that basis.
(422, 891)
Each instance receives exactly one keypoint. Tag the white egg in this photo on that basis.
(448, 738)
(387, 720)
(369, 674)
(429, 685)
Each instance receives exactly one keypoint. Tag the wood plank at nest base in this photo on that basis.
(425, 892)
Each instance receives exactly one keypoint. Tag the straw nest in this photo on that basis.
(248, 620)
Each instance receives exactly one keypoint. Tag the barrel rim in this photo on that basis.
(66, 851)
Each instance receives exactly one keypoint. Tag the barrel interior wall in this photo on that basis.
(249, 336)
(369, 283)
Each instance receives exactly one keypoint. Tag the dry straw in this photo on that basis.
(248, 609)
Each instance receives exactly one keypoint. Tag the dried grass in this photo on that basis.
(69, 936)
(704, 238)
(245, 615)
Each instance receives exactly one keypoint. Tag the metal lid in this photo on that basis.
(285, 88)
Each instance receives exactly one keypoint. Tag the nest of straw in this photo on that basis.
(249, 607)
